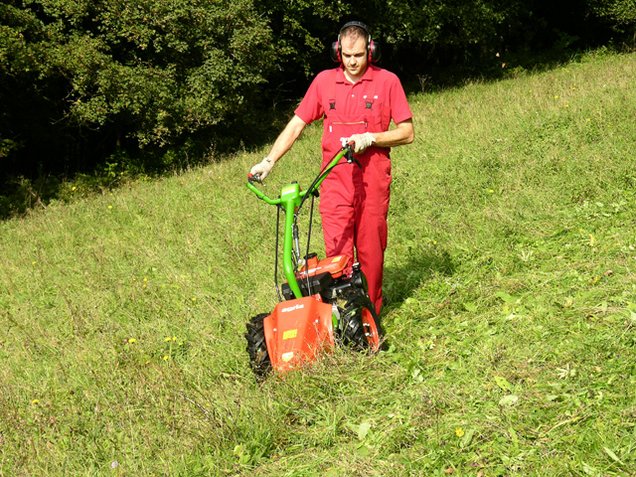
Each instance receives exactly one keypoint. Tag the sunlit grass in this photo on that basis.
(510, 318)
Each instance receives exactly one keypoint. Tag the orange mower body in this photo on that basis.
(298, 331)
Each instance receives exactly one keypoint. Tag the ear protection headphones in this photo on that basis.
(373, 50)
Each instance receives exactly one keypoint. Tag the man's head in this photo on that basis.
(353, 38)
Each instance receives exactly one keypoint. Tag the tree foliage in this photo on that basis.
(152, 69)
(81, 80)
(619, 14)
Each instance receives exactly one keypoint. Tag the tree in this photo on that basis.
(146, 71)
(81, 80)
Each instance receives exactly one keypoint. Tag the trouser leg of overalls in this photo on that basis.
(354, 205)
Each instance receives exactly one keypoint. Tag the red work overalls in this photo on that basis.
(355, 198)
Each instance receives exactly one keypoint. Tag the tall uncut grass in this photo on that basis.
(511, 308)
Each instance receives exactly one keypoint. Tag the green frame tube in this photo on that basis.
(291, 198)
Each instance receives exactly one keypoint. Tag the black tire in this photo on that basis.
(256, 346)
(352, 330)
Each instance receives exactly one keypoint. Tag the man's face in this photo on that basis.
(354, 56)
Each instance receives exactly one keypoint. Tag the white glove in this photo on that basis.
(262, 169)
(362, 141)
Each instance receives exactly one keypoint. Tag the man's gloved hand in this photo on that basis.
(263, 168)
(362, 141)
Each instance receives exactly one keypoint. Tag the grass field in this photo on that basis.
(511, 308)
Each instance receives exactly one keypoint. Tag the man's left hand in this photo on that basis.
(362, 141)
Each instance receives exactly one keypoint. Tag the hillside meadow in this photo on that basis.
(510, 319)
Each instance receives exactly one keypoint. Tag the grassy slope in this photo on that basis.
(511, 310)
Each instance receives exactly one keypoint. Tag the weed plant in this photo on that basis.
(510, 315)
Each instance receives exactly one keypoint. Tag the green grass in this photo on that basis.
(511, 308)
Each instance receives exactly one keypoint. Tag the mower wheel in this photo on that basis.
(256, 346)
(359, 329)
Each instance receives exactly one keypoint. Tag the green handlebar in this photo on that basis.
(260, 194)
(345, 151)
(291, 198)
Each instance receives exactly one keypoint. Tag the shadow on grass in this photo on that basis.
(437, 78)
(400, 281)
(41, 172)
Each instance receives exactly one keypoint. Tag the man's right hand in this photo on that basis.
(262, 169)
(362, 141)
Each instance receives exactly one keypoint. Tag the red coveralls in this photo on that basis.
(354, 200)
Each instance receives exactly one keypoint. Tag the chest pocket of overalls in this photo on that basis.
(375, 112)
(339, 128)
(368, 117)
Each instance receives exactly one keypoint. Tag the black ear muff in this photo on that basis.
(335, 51)
(373, 48)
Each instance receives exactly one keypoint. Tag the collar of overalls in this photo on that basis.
(367, 76)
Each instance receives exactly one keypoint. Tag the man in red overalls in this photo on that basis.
(356, 100)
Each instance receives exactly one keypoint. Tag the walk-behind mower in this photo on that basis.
(323, 303)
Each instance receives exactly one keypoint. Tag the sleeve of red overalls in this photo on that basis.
(310, 108)
(400, 110)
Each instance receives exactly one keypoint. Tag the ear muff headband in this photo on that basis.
(373, 51)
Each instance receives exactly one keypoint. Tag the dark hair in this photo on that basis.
(355, 29)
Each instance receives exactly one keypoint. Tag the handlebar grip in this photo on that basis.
(254, 178)
(349, 154)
